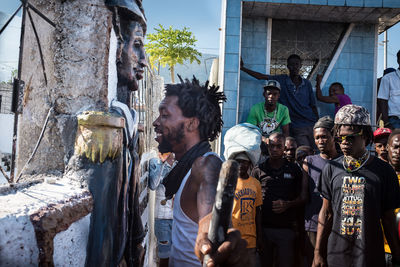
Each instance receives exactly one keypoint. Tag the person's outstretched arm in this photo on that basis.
(255, 74)
(320, 96)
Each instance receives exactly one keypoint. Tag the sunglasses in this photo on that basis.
(349, 138)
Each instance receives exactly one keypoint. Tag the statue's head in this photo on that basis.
(130, 27)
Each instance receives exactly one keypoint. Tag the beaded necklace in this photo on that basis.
(351, 164)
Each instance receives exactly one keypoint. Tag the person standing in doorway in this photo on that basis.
(297, 95)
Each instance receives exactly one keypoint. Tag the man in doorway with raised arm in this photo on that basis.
(359, 191)
(190, 117)
(296, 94)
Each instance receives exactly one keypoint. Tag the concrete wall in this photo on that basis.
(40, 216)
(76, 60)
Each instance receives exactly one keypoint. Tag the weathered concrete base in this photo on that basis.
(45, 223)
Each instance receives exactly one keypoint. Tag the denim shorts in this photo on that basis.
(163, 231)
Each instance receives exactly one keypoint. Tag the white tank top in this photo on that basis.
(184, 231)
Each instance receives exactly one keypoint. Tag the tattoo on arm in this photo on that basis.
(206, 171)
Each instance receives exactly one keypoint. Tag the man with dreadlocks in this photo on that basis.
(190, 117)
(358, 191)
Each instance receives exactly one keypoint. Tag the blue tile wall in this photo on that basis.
(391, 3)
(232, 26)
(355, 68)
(300, 1)
(232, 44)
(373, 3)
(355, 2)
(231, 97)
(318, 2)
(336, 2)
(229, 116)
(231, 62)
(233, 8)
(254, 57)
(364, 3)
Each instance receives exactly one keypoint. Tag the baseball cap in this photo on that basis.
(353, 115)
(242, 156)
(382, 132)
(272, 84)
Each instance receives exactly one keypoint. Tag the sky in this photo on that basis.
(202, 17)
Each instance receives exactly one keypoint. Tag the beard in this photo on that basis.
(174, 136)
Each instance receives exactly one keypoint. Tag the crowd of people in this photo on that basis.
(310, 190)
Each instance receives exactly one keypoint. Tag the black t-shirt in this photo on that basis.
(283, 183)
(358, 200)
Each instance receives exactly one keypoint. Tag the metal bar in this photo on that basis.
(337, 54)
(5, 175)
(385, 45)
(39, 13)
(9, 20)
(374, 82)
(314, 69)
(15, 129)
(269, 44)
(37, 143)
(39, 46)
(238, 73)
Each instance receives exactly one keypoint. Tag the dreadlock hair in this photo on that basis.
(392, 134)
(201, 102)
(367, 131)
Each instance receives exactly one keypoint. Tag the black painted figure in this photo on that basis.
(117, 232)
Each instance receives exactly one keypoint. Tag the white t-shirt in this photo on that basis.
(390, 90)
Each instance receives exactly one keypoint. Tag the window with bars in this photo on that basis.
(314, 42)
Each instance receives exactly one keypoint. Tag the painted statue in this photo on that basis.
(107, 146)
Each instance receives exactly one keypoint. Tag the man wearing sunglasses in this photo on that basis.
(359, 191)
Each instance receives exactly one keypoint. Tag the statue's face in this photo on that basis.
(133, 60)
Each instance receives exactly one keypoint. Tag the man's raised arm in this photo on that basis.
(255, 74)
(232, 251)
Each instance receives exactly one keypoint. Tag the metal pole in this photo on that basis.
(385, 41)
(15, 130)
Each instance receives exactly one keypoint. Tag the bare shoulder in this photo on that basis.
(206, 166)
